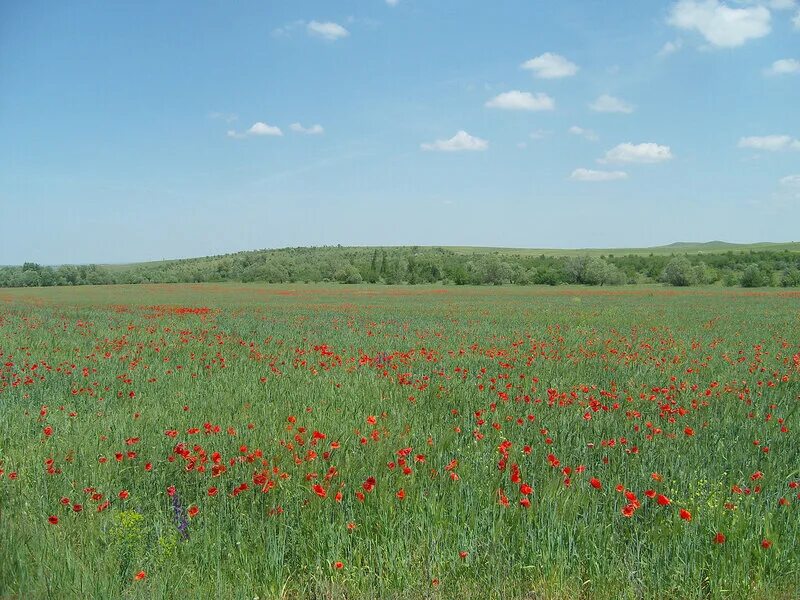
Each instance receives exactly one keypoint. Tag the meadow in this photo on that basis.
(320, 441)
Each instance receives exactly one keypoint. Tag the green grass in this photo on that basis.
(451, 373)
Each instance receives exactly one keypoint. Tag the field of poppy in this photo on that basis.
(243, 441)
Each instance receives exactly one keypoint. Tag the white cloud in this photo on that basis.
(796, 20)
(260, 128)
(592, 175)
(606, 103)
(550, 66)
(670, 48)
(313, 130)
(720, 24)
(647, 152)
(585, 133)
(784, 66)
(539, 134)
(327, 31)
(460, 141)
(257, 129)
(772, 143)
(791, 181)
(392, 2)
(516, 100)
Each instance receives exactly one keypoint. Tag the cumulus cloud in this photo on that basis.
(313, 130)
(610, 104)
(460, 141)
(328, 31)
(257, 129)
(791, 181)
(647, 152)
(771, 143)
(784, 66)
(550, 66)
(592, 175)
(584, 133)
(718, 23)
(516, 100)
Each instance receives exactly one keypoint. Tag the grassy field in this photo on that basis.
(243, 441)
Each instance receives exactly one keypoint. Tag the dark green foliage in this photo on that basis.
(420, 265)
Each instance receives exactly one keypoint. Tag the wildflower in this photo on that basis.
(719, 538)
(53, 520)
(139, 576)
(766, 544)
(685, 515)
(595, 483)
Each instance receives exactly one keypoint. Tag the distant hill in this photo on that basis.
(674, 248)
(715, 246)
(682, 263)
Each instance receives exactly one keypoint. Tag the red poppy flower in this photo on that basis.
(719, 538)
(139, 576)
(685, 515)
(663, 500)
(192, 512)
(766, 544)
(595, 483)
(401, 494)
(53, 520)
(338, 565)
(123, 495)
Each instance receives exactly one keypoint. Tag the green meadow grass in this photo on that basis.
(692, 394)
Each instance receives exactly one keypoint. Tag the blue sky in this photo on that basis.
(137, 131)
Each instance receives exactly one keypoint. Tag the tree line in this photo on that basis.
(417, 265)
